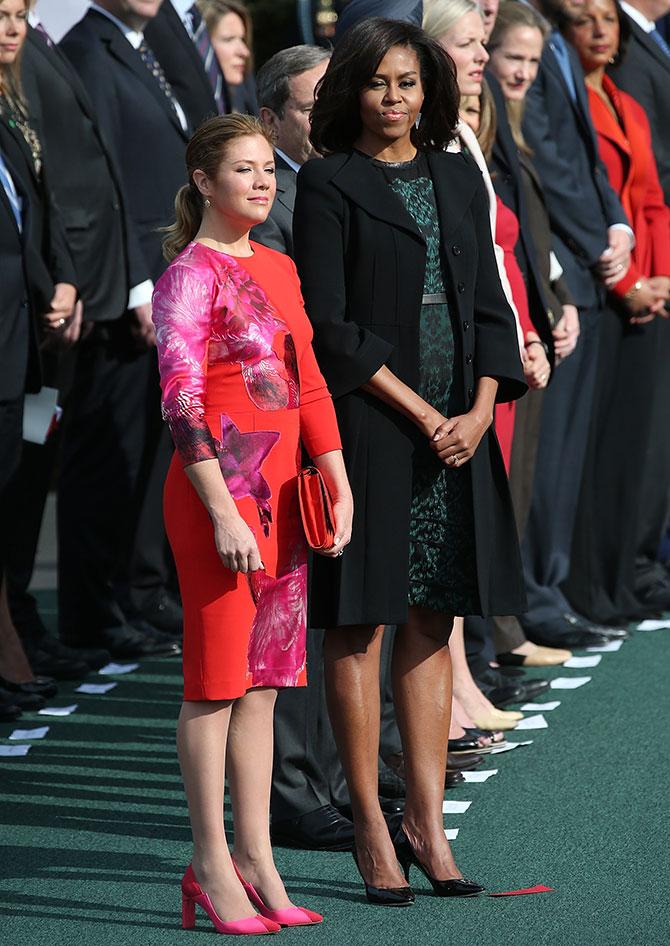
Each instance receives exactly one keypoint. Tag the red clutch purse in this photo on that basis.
(316, 509)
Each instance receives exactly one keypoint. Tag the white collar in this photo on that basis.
(647, 25)
(291, 163)
(134, 38)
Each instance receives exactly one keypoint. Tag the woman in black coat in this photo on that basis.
(417, 342)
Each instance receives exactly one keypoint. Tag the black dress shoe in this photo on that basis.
(562, 633)
(9, 711)
(391, 784)
(94, 657)
(655, 598)
(503, 696)
(324, 829)
(604, 630)
(25, 701)
(164, 642)
(42, 686)
(532, 688)
(463, 763)
(464, 744)
(44, 664)
(457, 887)
(164, 612)
(392, 806)
(125, 641)
(452, 779)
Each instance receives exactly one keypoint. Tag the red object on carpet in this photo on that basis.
(538, 888)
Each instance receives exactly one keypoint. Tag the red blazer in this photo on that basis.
(625, 147)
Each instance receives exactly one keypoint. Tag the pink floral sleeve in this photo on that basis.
(182, 314)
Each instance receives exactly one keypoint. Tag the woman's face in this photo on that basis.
(244, 187)
(594, 33)
(13, 28)
(515, 61)
(464, 42)
(229, 40)
(470, 111)
(392, 99)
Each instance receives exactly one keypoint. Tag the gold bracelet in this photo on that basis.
(633, 289)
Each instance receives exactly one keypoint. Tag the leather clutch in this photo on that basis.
(316, 509)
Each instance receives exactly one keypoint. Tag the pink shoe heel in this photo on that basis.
(289, 916)
(192, 893)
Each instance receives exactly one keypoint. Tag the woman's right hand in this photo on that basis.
(645, 302)
(236, 544)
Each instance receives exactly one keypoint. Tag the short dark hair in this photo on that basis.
(336, 121)
(272, 78)
(624, 36)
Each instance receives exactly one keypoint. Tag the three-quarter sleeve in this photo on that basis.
(182, 312)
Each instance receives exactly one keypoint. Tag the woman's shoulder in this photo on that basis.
(322, 170)
(195, 263)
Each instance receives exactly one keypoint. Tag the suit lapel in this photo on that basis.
(20, 142)
(57, 61)
(25, 202)
(650, 45)
(577, 106)
(607, 125)
(454, 185)
(286, 187)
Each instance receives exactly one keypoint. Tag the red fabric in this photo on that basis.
(507, 234)
(626, 149)
(538, 888)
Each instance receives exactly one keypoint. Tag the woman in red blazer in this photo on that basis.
(601, 585)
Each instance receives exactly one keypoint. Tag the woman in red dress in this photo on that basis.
(241, 390)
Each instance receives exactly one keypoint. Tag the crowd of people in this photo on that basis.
(435, 256)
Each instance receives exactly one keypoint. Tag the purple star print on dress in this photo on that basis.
(241, 456)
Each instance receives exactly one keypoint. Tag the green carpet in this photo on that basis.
(95, 836)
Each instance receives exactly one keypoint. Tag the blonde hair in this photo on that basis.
(440, 15)
(212, 11)
(205, 152)
(10, 76)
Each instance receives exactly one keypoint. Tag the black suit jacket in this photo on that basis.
(361, 260)
(645, 74)
(580, 199)
(182, 65)
(81, 176)
(277, 231)
(140, 128)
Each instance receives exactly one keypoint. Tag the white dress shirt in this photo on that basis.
(647, 25)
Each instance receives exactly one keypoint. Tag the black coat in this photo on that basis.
(361, 260)
(81, 177)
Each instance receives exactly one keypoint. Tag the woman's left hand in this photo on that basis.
(456, 440)
(331, 467)
(343, 510)
(536, 366)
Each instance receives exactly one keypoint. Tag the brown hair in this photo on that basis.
(205, 152)
(214, 10)
(488, 122)
(10, 76)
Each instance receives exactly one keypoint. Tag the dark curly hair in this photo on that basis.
(336, 120)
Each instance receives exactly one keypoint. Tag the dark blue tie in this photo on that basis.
(204, 46)
(560, 50)
(657, 36)
(7, 185)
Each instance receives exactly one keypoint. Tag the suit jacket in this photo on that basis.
(182, 65)
(83, 181)
(626, 148)
(361, 260)
(508, 184)
(141, 129)
(277, 231)
(645, 74)
(580, 200)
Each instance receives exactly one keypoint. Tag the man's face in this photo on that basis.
(134, 13)
(292, 129)
(489, 10)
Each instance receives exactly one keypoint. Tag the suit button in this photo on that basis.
(456, 250)
(461, 287)
(466, 326)
(470, 392)
(116, 205)
(468, 359)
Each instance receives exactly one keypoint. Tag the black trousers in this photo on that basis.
(115, 447)
(564, 434)
(11, 439)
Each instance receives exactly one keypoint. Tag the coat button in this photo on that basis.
(468, 359)
(470, 393)
(456, 250)
(466, 326)
(461, 287)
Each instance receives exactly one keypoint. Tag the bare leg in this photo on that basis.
(249, 770)
(483, 713)
(14, 664)
(422, 693)
(352, 662)
(202, 733)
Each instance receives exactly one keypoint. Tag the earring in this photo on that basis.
(612, 60)
(208, 203)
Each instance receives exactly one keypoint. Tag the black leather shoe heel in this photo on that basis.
(386, 896)
(457, 887)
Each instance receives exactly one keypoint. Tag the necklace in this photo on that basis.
(18, 118)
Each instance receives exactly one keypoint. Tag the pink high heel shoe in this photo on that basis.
(192, 893)
(289, 916)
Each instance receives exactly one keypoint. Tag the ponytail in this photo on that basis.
(188, 217)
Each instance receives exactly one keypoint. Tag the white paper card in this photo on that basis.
(38, 414)
(14, 750)
(532, 722)
(653, 625)
(451, 833)
(118, 668)
(38, 733)
(610, 648)
(569, 683)
(480, 776)
(581, 663)
(509, 746)
(535, 707)
(95, 688)
(58, 710)
(455, 807)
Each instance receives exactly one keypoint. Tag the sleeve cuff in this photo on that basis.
(626, 229)
(140, 294)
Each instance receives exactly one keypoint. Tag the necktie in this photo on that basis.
(560, 50)
(657, 36)
(204, 46)
(43, 33)
(156, 71)
(15, 201)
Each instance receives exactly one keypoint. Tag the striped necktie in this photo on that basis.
(156, 70)
(657, 36)
(204, 46)
(15, 201)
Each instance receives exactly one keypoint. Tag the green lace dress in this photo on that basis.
(442, 562)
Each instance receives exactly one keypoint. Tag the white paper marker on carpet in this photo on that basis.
(95, 688)
(58, 710)
(569, 683)
(509, 746)
(535, 707)
(455, 807)
(581, 663)
(451, 833)
(38, 733)
(532, 722)
(653, 625)
(611, 647)
(481, 776)
(118, 668)
(14, 750)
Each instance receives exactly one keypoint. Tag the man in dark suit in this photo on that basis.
(123, 449)
(592, 240)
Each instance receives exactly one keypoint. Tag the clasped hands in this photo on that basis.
(455, 439)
